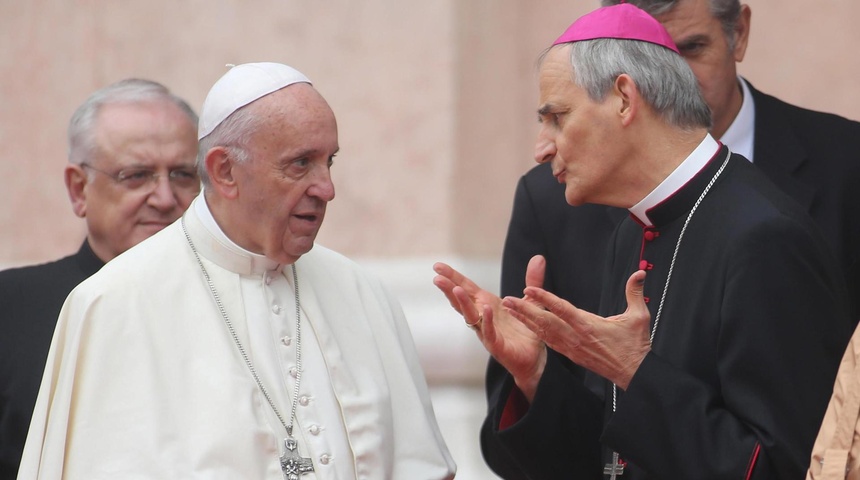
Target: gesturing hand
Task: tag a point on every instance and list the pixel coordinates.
(510, 342)
(612, 347)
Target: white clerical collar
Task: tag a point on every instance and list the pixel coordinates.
(688, 169)
(219, 248)
(740, 136)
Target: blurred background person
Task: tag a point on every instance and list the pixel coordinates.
(131, 172)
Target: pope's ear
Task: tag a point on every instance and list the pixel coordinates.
(219, 162)
(76, 181)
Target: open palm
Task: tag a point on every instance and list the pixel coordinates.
(507, 339)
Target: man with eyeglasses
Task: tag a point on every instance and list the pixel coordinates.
(131, 172)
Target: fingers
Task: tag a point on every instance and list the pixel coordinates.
(447, 279)
(455, 277)
(533, 316)
(447, 287)
(462, 294)
(443, 269)
(560, 307)
(536, 271)
(487, 328)
(467, 307)
(468, 299)
(634, 292)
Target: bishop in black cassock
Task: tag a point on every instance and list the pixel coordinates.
(743, 356)
(753, 324)
(726, 315)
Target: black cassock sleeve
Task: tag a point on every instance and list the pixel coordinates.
(558, 436)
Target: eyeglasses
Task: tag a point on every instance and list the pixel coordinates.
(138, 178)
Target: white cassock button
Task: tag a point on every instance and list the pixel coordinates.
(294, 371)
(276, 309)
(324, 459)
(304, 401)
(268, 279)
(315, 430)
(286, 341)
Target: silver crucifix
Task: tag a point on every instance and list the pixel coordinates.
(615, 468)
(292, 463)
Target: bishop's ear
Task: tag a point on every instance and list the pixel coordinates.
(220, 164)
(76, 180)
(627, 98)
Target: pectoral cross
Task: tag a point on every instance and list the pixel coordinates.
(292, 463)
(615, 468)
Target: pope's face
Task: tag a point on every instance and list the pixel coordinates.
(285, 185)
(704, 45)
(577, 135)
(136, 139)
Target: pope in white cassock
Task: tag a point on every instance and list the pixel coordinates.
(229, 345)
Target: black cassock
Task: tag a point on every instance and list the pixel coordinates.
(744, 356)
(30, 302)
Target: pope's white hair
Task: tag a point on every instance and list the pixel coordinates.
(233, 134)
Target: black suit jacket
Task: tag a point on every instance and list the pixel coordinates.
(812, 156)
(30, 302)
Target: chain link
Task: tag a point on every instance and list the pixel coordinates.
(672, 263)
(243, 353)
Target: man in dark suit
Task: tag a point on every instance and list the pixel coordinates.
(812, 156)
(131, 172)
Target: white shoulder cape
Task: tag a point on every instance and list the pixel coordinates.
(143, 380)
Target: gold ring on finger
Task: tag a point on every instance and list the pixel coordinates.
(474, 326)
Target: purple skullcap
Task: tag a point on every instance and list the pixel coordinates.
(623, 21)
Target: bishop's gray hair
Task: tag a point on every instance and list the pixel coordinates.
(663, 78)
(81, 132)
(726, 11)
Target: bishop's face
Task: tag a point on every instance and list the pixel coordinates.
(285, 185)
(577, 134)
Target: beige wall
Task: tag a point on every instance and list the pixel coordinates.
(435, 100)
